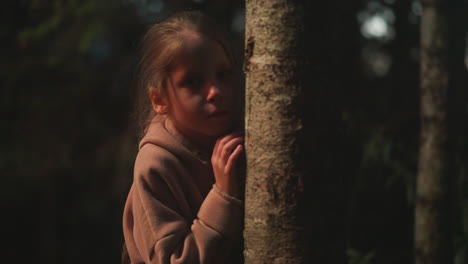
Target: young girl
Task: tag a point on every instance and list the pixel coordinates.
(184, 205)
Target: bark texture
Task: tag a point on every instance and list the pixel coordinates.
(290, 215)
(272, 128)
(432, 213)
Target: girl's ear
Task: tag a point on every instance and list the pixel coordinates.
(159, 103)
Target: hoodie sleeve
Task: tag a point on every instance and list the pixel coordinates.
(162, 235)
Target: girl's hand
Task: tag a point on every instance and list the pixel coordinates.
(225, 155)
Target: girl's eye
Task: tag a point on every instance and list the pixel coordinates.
(193, 82)
(223, 75)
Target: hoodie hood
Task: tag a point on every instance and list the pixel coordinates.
(158, 134)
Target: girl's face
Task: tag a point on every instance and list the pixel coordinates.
(201, 89)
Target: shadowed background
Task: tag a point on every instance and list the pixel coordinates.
(67, 78)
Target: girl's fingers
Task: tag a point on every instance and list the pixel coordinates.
(233, 158)
(228, 137)
(219, 147)
(229, 147)
(216, 149)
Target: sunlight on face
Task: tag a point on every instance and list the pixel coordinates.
(201, 88)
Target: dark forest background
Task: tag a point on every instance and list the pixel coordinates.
(68, 138)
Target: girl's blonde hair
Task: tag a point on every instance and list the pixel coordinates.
(160, 46)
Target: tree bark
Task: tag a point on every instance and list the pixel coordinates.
(432, 212)
(293, 211)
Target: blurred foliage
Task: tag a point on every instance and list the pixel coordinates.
(68, 73)
(67, 77)
(382, 121)
(356, 257)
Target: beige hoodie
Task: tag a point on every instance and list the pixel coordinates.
(172, 214)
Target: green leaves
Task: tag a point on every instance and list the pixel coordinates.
(357, 257)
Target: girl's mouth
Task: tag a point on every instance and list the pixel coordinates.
(218, 113)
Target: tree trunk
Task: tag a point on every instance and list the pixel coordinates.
(294, 205)
(432, 213)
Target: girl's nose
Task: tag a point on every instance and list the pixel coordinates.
(214, 93)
